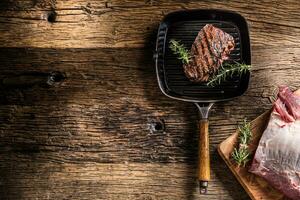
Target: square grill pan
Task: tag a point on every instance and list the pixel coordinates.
(184, 26)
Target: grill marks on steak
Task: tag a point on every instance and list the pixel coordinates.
(211, 47)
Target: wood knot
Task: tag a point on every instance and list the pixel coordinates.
(55, 78)
(157, 125)
(51, 16)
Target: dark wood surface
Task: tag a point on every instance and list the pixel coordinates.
(106, 131)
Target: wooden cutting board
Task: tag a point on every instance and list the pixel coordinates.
(256, 187)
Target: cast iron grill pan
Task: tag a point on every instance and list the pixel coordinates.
(184, 26)
(171, 74)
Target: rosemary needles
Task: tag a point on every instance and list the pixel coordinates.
(228, 70)
(241, 154)
(179, 49)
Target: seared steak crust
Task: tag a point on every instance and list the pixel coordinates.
(211, 47)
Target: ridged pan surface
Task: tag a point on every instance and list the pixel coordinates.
(184, 27)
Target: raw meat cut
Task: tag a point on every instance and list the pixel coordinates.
(211, 47)
(277, 158)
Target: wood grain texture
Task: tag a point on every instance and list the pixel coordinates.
(94, 23)
(89, 180)
(93, 135)
(203, 155)
(78, 121)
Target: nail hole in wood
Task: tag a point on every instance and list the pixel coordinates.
(55, 77)
(157, 125)
(51, 17)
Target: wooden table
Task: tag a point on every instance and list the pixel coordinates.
(106, 131)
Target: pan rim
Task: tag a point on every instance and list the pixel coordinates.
(164, 25)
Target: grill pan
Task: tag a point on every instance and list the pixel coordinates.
(184, 26)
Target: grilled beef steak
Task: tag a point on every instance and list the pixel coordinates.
(277, 158)
(211, 47)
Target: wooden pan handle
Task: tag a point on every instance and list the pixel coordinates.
(203, 156)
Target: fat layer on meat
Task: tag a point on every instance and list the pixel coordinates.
(277, 158)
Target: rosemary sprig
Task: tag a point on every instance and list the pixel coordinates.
(241, 154)
(179, 49)
(228, 70)
(245, 132)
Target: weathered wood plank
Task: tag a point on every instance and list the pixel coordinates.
(29, 178)
(85, 24)
(78, 121)
(82, 117)
(55, 140)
